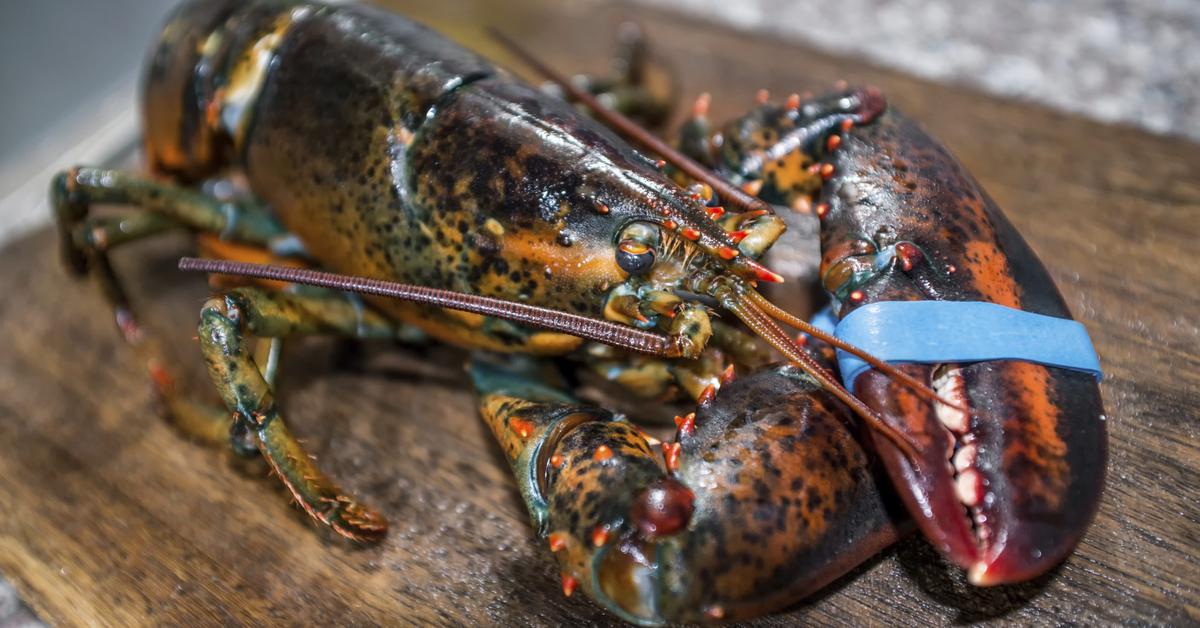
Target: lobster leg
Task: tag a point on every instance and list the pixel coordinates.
(765, 498)
(225, 324)
(86, 239)
(73, 192)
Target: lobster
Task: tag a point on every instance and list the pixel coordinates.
(380, 158)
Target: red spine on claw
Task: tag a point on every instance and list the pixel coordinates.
(569, 584)
(686, 424)
(523, 428)
(728, 375)
(671, 453)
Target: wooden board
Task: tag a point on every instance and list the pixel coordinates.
(109, 517)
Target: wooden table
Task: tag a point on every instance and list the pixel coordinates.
(109, 517)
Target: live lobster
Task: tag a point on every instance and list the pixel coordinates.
(381, 158)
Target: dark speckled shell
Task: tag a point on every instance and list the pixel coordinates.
(393, 153)
(1040, 431)
(792, 499)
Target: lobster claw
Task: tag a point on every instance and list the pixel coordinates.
(786, 498)
(766, 497)
(1006, 488)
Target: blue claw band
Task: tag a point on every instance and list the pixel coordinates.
(933, 332)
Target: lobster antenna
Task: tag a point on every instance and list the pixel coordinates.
(602, 331)
(609, 333)
(729, 193)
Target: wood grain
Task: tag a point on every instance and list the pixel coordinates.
(110, 518)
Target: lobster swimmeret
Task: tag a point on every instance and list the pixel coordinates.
(374, 147)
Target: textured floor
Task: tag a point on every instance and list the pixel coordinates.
(14, 614)
(1128, 61)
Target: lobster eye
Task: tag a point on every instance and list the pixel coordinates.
(634, 257)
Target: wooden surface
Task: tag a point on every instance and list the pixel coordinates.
(109, 517)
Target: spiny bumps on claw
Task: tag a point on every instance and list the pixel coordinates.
(602, 453)
(558, 541)
(908, 254)
(521, 427)
(600, 535)
(707, 395)
(569, 584)
(686, 424)
(728, 375)
(671, 452)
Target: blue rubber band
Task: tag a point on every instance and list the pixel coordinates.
(933, 332)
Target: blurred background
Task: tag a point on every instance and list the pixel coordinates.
(70, 68)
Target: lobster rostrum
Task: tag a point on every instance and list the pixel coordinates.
(380, 158)
(1010, 474)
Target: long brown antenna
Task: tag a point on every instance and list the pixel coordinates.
(730, 194)
(609, 333)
